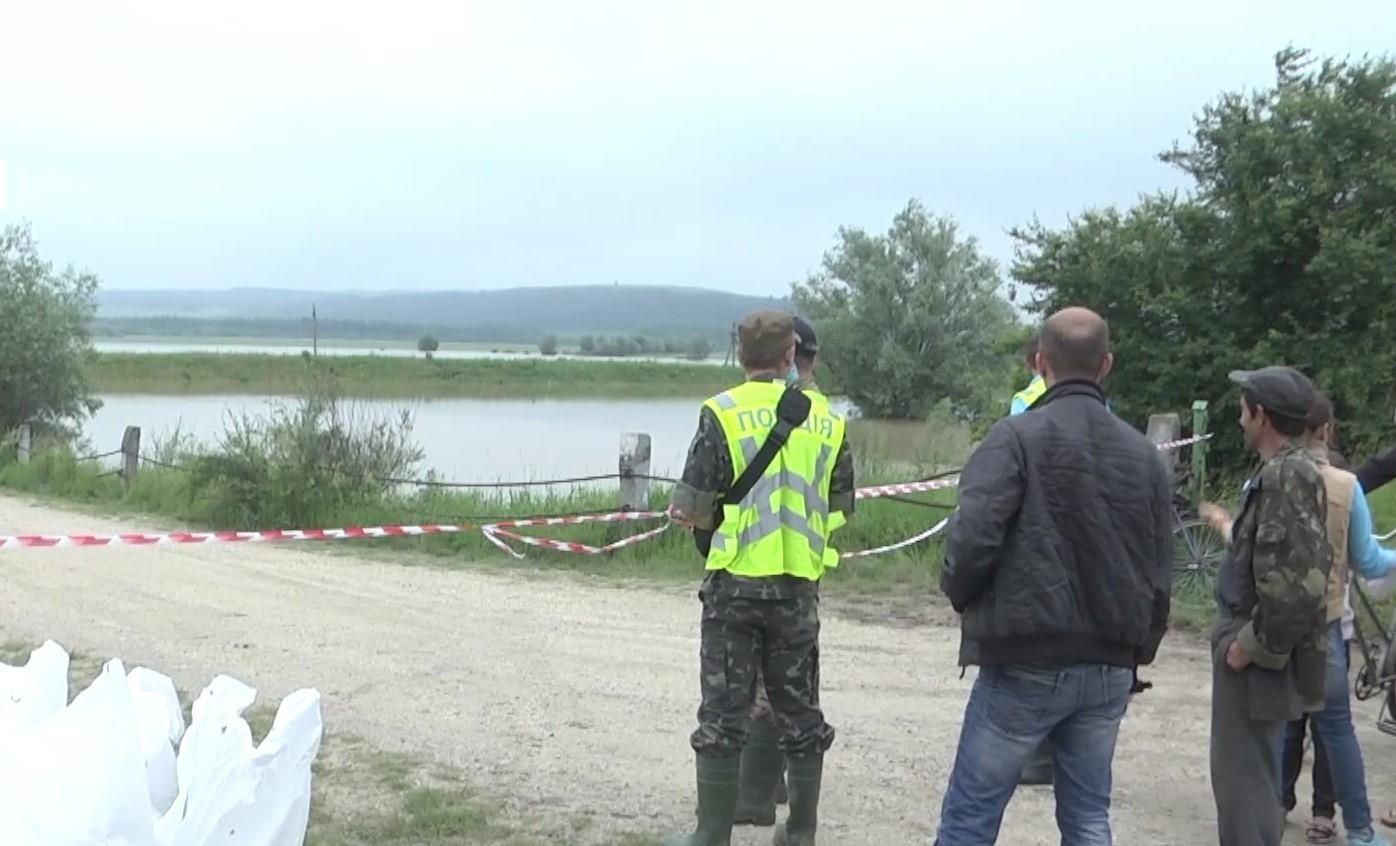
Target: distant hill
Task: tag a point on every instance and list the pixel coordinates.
(526, 313)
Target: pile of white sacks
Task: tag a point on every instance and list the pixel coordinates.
(118, 767)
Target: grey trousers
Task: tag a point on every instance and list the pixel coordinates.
(1245, 763)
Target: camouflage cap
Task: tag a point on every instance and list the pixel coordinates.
(765, 335)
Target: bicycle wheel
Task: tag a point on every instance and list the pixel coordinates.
(1197, 556)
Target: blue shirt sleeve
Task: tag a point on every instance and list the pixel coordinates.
(1365, 555)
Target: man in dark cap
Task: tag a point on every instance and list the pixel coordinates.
(766, 549)
(806, 348)
(1269, 647)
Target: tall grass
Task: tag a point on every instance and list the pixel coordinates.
(323, 462)
(398, 377)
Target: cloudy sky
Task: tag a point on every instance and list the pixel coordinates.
(493, 144)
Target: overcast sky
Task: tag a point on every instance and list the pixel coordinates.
(493, 144)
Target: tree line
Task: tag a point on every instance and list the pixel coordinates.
(1283, 250)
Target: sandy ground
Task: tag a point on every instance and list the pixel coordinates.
(575, 697)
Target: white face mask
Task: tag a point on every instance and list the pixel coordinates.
(792, 376)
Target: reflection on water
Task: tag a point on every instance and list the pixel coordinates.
(521, 439)
(463, 439)
(328, 348)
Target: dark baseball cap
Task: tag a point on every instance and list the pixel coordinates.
(1283, 391)
(806, 342)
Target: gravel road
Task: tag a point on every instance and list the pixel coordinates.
(572, 696)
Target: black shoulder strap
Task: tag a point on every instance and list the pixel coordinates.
(791, 411)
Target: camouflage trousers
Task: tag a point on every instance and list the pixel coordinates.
(752, 644)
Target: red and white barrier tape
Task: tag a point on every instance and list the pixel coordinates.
(270, 536)
(1196, 439)
(915, 539)
(907, 488)
(494, 531)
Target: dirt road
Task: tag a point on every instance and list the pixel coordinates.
(573, 697)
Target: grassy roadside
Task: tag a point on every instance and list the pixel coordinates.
(363, 796)
(397, 377)
(902, 583)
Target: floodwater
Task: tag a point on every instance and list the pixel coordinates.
(329, 348)
(463, 440)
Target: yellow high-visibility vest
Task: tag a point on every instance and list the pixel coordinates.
(1031, 394)
(782, 526)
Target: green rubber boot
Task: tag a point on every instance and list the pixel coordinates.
(717, 801)
(762, 762)
(804, 775)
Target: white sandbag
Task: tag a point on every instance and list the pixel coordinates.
(78, 778)
(35, 691)
(161, 725)
(104, 770)
(232, 794)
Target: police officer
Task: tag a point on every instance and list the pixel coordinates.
(760, 596)
(761, 784)
(1024, 399)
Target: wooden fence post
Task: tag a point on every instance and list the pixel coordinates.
(1199, 451)
(25, 444)
(130, 455)
(634, 471)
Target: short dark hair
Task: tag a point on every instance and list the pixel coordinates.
(1075, 348)
(1290, 427)
(1320, 413)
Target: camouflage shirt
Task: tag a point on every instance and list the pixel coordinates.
(707, 474)
(1273, 586)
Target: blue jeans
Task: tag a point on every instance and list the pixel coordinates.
(1011, 710)
(1333, 728)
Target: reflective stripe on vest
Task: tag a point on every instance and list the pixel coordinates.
(782, 525)
(1032, 393)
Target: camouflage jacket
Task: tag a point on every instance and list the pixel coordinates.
(707, 474)
(1272, 589)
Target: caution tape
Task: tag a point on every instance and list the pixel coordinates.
(907, 488)
(271, 536)
(911, 541)
(495, 532)
(1196, 439)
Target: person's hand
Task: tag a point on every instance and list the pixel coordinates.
(678, 519)
(1236, 657)
(1216, 516)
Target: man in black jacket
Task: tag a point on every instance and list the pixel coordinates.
(1059, 559)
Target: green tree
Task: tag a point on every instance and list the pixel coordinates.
(908, 318)
(428, 344)
(699, 348)
(587, 345)
(45, 343)
(1283, 253)
(548, 346)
